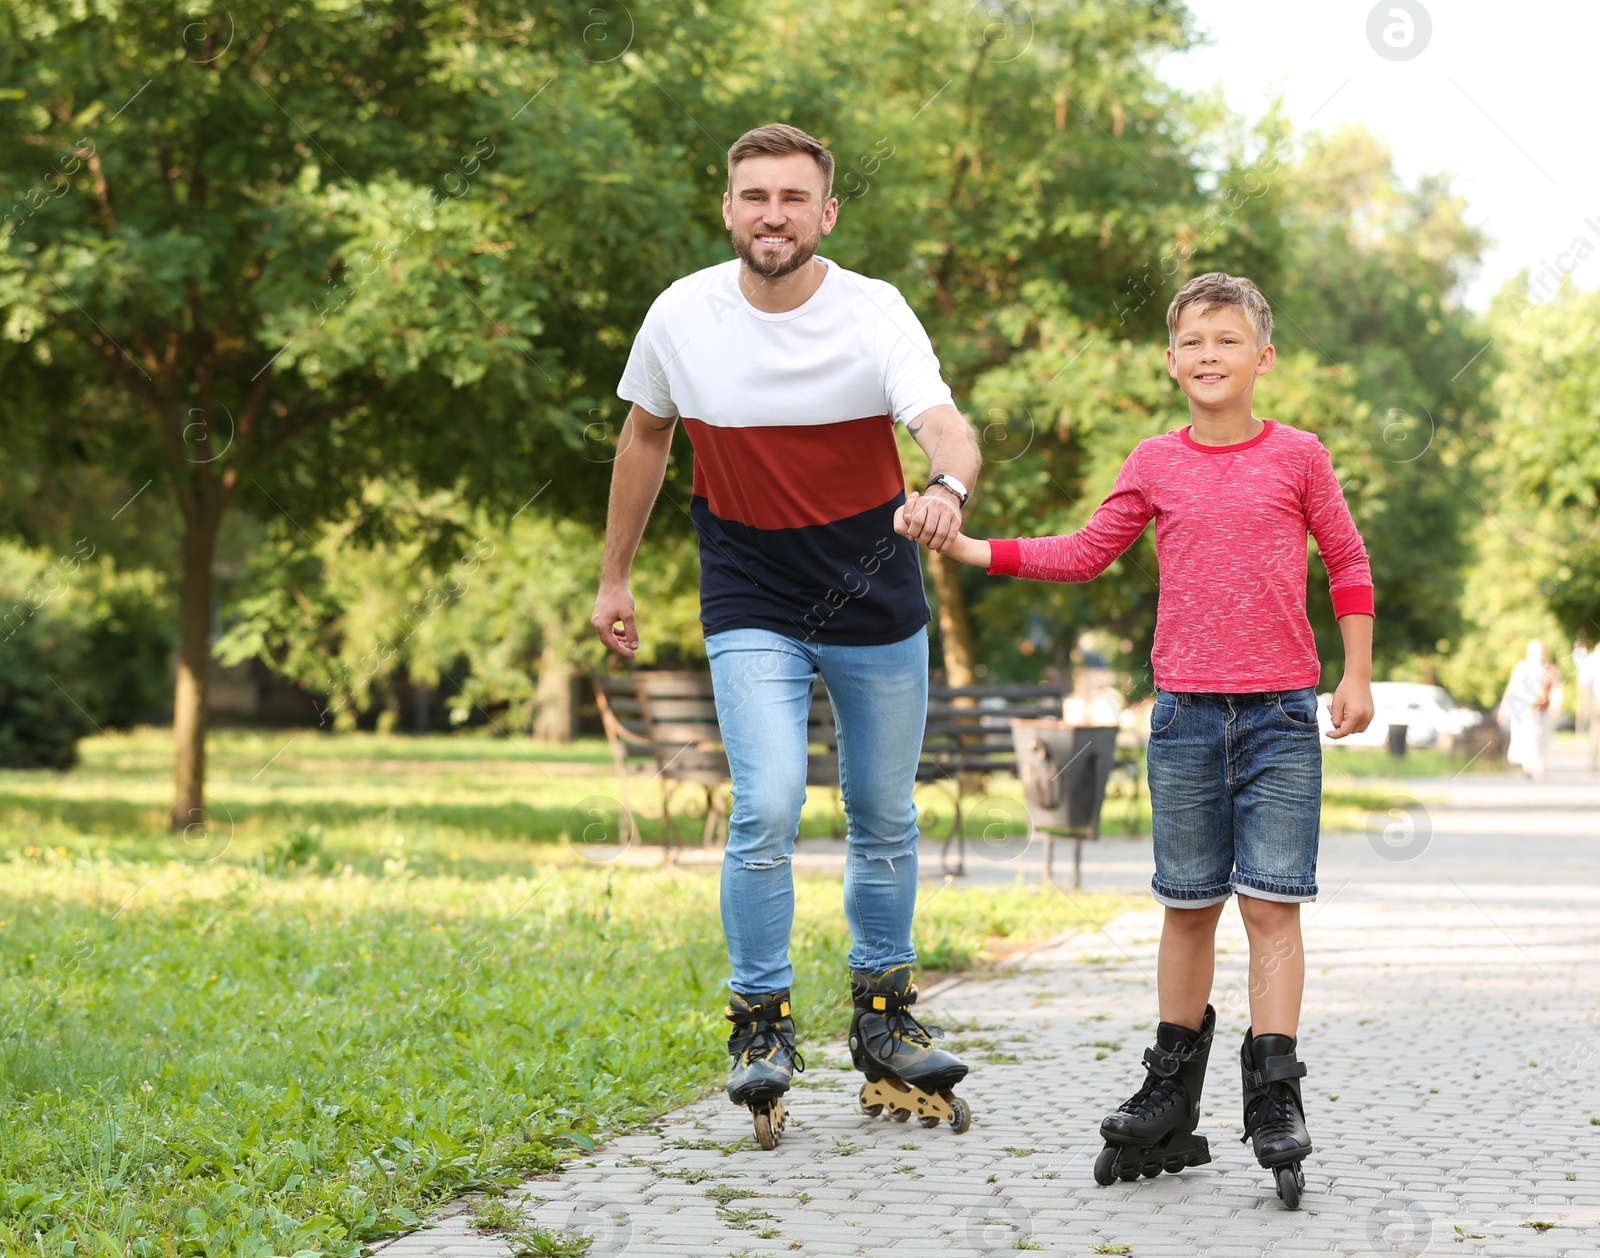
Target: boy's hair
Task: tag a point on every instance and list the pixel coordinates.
(1216, 289)
(777, 139)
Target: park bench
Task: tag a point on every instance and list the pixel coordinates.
(663, 726)
(968, 740)
(617, 698)
(680, 720)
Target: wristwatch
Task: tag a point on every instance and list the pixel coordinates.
(952, 484)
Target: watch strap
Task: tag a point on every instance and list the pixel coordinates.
(953, 485)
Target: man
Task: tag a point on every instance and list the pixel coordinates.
(789, 373)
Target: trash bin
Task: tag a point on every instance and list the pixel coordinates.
(1064, 769)
(1397, 740)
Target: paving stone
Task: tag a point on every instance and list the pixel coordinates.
(1469, 969)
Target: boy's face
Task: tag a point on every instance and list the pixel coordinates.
(1214, 356)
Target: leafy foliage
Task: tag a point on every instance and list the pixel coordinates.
(83, 645)
(443, 594)
(1548, 446)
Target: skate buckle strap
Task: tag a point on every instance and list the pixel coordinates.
(757, 1012)
(1167, 1062)
(1162, 1061)
(1277, 1070)
(893, 1002)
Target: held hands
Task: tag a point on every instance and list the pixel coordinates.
(1352, 709)
(932, 519)
(935, 521)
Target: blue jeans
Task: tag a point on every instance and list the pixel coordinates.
(1235, 796)
(762, 682)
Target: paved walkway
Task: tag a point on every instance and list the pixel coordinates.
(1452, 1035)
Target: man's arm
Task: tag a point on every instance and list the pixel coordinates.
(1352, 708)
(934, 519)
(636, 476)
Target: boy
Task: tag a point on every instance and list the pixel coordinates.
(1235, 762)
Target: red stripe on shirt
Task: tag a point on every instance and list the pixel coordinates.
(789, 477)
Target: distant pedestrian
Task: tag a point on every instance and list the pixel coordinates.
(1583, 665)
(1528, 709)
(1589, 701)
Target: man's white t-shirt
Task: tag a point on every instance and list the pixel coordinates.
(797, 475)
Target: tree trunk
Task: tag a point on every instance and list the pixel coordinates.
(553, 715)
(955, 630)
(191, 699)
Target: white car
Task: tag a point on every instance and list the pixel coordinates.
(1426, 711)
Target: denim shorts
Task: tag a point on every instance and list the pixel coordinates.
(1236, 796)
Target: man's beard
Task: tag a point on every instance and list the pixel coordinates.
(803, 252)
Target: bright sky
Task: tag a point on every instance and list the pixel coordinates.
(1502, 96)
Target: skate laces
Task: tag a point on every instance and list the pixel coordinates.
(1161, 1082)
(1158, 1092)
(905, 1029)
(1272, 1113)
(762, 1040)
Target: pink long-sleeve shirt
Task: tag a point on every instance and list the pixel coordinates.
(1231, 526)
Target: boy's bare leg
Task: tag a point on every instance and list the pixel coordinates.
(1154, 1129)
(1277, 965)
(1186, 964)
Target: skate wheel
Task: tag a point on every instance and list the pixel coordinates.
(1128, 1174)
(928, 1120)
(870, 1108)
(1105, 1167)
(960, 1115)
(901, 1115)
(1290, 1182)
(1173, 1165)
(766, 1131)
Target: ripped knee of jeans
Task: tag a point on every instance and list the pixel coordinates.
(889, 850)
(766, 864)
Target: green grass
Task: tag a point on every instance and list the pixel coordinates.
(1375, 762)
(463, 804)
(391, 981)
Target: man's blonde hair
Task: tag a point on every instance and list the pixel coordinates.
(1215, 290)
(777, 139)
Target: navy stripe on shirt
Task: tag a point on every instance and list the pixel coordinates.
(850, 582)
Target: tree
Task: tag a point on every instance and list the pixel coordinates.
(264, 256)
(1536, 567)
(1548, 444)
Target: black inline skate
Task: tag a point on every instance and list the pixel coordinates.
(764, 1060)
(906, 1075)
(1154, 1129)
(1274, 1114)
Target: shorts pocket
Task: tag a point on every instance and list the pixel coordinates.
(1299, 711)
